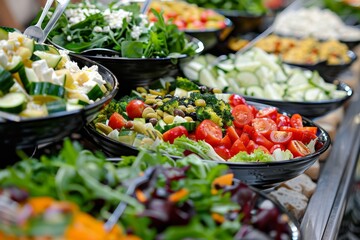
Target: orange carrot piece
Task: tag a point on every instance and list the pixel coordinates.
(218, 218)
(177, 196)
(140, 195)
(224, 180)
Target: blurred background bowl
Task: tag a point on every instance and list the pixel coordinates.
(31, 132)
(327, 71)
(308, 109)
(211, 37)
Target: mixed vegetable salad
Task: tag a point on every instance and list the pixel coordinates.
(180, 199)
(121, 28)
(37, 79)
(259, 74)
(183, 117)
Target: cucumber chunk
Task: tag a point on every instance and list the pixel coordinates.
(246, 79)
(6, 81)
(52, 60)
(95, 93)
(46, 88)
(56, 106)
(15, 65)
(13, 102)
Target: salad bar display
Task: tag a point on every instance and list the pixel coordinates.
(119, 127)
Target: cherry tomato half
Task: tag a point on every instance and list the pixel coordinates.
(172, 134)
(237, 147)
(236, 99)
(264, 126)
(210, 132)
(116, 121)
(298, 149)
(262, 140)
(282, 137)
(135, 108)
(282, 120)
(269, 112)
(296, 121)
(242, 115)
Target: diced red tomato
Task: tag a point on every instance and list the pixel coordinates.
(296, 121)
(251, 146)
(236, 99)
(282, 120)
(298, 149)
(307, 136)
(242, 115)
(282, 137)
(135, 108)
(226, 142)
(262, 140)
(116, 121)
(250, 130)
(269, 112)
(276, 146)
(231, 132)
(264, 126)
(172, 134)
(244, 137)
(209, 132)
(237, 147)
(223, 152)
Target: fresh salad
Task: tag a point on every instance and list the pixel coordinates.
(184, 199)
(121, 28)
(258, 74)
(255, 7)
(188, 16)
(184, 117)
(37, 79)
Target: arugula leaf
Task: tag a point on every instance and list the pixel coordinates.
(132, 49)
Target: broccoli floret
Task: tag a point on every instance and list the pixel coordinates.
(170, 105)
(186, 84)
(216, 110)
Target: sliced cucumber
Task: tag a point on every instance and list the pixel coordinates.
(13, 102)
(78, 102)
(27, 75)
(15, 65)
(190, 126)
(255, 91)
(227, 65)
(52, 60)
(6, 81)
(337, 94)
(207, 79)
(56, 106)
(46, 89)
(297, 78)
(246, 79)
(127, 136)
(312, 94)
(248, 66)
(95, 93)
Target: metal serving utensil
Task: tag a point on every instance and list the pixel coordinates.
(133, 184)
(36, 32)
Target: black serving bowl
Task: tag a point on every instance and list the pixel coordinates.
(328, 72)
(244, 22)
(308, 109)
(261, 175)
(211, 37)
(135, 72)
(31, 132)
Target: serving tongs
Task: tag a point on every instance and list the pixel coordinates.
(133, 184)
(36, 32)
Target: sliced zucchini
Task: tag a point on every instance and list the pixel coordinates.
(56, 106)
(52, 60)
(13, 102)
(6, 81)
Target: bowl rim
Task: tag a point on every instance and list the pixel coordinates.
(62, 114)
(349, 92)
(239, 13)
